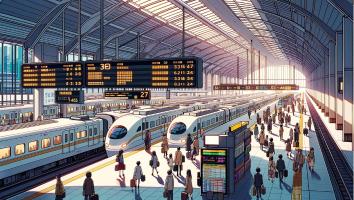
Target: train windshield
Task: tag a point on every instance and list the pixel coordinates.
(118, 132)
(178, 128)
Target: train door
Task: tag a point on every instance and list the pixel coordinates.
(90, 137)
(66, 141)
(72, 140)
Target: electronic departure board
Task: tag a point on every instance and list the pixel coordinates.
(256, 87)
(137, 95)
(52, 75)
(154, 73)
(69, 97)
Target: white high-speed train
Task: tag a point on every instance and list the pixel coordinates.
(193, 122)
(128, 131)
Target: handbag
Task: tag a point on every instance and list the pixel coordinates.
(94, 197)
(132, 182)
(150, 163)
(286, 173)
(165, 194)
(175, 168)
(267, 154)
(183, 159)
(254, 191)
(158, 164)
(121, 166)
(116, 167)
(143, 178)
(263, 190)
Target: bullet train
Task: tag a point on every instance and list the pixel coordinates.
(193, 122)
(128, 131)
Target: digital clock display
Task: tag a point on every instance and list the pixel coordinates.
(69, 97)
(123, 95)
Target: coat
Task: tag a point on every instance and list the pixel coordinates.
(188, 185)
(271, 147)
(169, 182)
(261, 138)
(271, 169)
(281, 132)
(155, 160)
(280, 165)
(137, 172)
(291, 134)
(178, 158)
(189, 143)
(196, 146)
(288, 146)
(256, 131)
(59, 188)
(88, 187)
(258, 180)
(165, 143)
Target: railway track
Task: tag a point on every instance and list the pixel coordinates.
(340, 171)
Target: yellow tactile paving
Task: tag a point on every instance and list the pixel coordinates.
(297, 179)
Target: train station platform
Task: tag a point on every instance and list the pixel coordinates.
(309, 185)
(346, 147)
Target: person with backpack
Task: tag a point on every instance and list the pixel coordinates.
(280, 166)
(154, 163)
(138, 173)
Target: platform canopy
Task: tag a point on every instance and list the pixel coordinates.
(220, 31)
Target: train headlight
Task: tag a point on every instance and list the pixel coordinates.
(122, 146)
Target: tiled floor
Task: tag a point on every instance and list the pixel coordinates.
(108, 185)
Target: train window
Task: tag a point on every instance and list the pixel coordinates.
(45, 143)
(90, 132)
(57, 140)
(198, 125)
(33, 146)
(152, 124)
(95, 131)
(169, 118)
(217, 119)
(81, 134)
(139, 129)
(146, 125)
(178, 128)
(118, 132)
(208, 122)
(19, 149)
(5, 152)
(71, 136)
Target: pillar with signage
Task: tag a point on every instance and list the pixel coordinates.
(224, 160)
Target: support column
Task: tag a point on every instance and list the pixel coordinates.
(347, 79)
(339, 78)
(332, 83)
(326, 85)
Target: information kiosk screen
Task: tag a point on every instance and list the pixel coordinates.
(214, 170)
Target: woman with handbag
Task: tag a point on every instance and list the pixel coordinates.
(121, 165)
(59, 189)
(188, 186)
(154, 163)
(138, 173)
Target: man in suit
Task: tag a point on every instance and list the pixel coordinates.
(258, 182)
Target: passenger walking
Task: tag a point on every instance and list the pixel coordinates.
(293, 108)
(266, 142)
(298, 161)
(59, 189)
(271, 169)
(309, 123)
(269, 127)
(169, 185)
(120, 161)
(249, 113)
(288, 147)
(271, 148)
(261, 139)
(188, 186)
(311, 158)
(291, 135)
(189, 143)
(296, 136)
(280, 167)
(170, 161)
(147, 140)
(258, 182)
(273, 117)
(178, 161)
(288, 109)
(258, 119)
(256, 132)
(164, 148)
(262, 127)
(195, 148)
(138, 173)
(281, 132)
(154, 163)
(88, 187)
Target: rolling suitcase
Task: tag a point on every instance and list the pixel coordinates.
(132, 183)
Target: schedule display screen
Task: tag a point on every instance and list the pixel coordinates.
(256, 87)
(214, 170)
(52, 75)
(166, 73)
(138, 95)
(69, 97)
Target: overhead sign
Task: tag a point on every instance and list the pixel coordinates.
(154, 73)
(69, 97)
(52, 75)
(256, 87)
(138, 95)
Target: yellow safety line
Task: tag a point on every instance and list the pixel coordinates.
(76, 177)
(297, 179)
